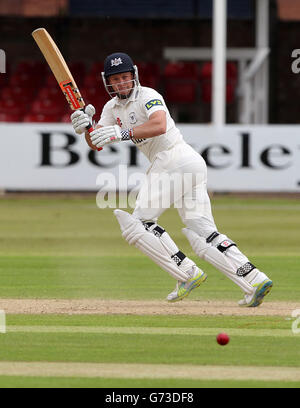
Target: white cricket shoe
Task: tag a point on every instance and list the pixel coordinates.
(183, 289)
(262, 289)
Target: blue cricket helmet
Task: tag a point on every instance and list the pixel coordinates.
(117, 63)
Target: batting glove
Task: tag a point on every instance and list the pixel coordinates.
(110, 134)
(81, 119)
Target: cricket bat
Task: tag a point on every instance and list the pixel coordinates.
(60, 70)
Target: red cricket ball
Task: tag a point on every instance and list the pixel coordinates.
(223, 339)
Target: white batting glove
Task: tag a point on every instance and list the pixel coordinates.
(109, 134)
(80, 120)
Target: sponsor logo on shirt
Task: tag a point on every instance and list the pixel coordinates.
(154, 102)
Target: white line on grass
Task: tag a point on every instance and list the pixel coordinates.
(201, 331)
(160, 371)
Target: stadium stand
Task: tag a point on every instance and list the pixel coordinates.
(149, 74)
(206, 82)
(182, 83)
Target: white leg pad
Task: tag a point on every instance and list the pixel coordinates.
(233, 253)
(211, 254)
(161, 249)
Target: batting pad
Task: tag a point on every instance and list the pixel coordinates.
(161, 249)
(211, 254)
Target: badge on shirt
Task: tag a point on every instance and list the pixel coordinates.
(154, 102)
(132, 118)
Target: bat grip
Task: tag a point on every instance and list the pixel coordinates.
(90, 128)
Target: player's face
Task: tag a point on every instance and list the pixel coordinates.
(122, 83)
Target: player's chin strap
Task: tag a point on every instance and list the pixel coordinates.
(155, 242)
(223, 254)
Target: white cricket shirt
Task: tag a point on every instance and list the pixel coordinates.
(137, 110)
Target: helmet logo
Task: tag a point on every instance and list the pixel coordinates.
(115, 62)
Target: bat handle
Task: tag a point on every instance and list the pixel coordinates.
(90, 128)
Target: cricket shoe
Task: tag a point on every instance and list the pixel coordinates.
(262, 289)
(183, 289)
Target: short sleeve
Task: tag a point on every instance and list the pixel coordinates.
(153, 102)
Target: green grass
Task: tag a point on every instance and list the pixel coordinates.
(242, 350)
(156, 348)
(121, 383)
(76, 227)
(67, 248)
(124, 277)
(153, 321)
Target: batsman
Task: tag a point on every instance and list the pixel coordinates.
(140, 115)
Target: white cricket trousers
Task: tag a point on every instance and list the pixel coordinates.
(178, 177)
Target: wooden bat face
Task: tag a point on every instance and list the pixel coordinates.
(59, 68)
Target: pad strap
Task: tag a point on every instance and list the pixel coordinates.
(212, 237)
(226, 244)
(178, 257)
(245, 269)
(157, 230)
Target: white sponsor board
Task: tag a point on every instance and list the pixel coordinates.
(239, 158)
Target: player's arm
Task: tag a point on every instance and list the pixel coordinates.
(156, 125)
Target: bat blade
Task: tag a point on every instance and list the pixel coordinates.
(59, 68)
